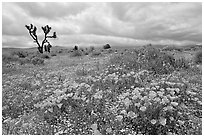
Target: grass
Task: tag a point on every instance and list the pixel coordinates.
(130, 93)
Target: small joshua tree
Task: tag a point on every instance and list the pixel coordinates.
(46, 29)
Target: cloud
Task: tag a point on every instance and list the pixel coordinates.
(116, 23)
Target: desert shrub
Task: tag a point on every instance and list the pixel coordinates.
(53, 54)
(107, 46)
(148, 58)
(37, 61)
(7, 58)
(91, 48)
(44, 56)
(171, 48)
(81, 72)
(20, 54)
(181, 63)
(198, 57)
(95, 53)
(23, 61)
(76, 47)
(76, 53)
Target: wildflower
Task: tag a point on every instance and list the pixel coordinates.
(119, 117)
(137, 104)
(161, 89)
(157, 87)
(160, 93)
(128, 75)
(132, 87)
(109, 130)
(127, 102)
(172, 93)
(169, 108)
(171, 118)
(177, 90)
(123, 112)
(143, 108)
(152, 94)
(162, 121)
(131, 114)
(153, 88)
(134, 97)
(174, 104)
(157, 99)
(132, 72)
(181, 122)
(136, 92)
(59, 105)
(165, 100)
(153, 121)
(94, 126)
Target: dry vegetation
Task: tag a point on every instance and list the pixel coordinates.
(92, 91)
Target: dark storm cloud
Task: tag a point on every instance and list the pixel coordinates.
(119, 23)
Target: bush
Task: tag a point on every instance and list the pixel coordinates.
(53, 54)
(181, 63)
(95, 53)
(23, 61)
(44, 56)
(198, 57)
(107, 46)
(76, 53)
(91, 48)
(148, 58)
(7, 58)
(20, 54)
(37, 61)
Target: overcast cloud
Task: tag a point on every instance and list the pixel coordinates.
(87, 24)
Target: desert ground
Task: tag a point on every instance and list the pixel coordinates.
(147, 90)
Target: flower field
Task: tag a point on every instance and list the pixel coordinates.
(113, 95)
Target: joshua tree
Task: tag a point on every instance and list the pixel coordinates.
(46, 29)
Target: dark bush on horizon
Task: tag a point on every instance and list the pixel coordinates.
(107, 46)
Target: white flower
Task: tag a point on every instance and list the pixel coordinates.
(171, 118)
(152, 94)
(162, 121)
(143, 108)
(131, 114)
(109, 130)
(181, 122)
(161, 89)
(123, 112)
(137, 104)
(165, 100)
(127, 102)
(157, 99)
(160, 93)
(153, 88)
(174, 104)
(153, 121)
(119, 117)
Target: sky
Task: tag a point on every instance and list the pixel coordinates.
(95, 24)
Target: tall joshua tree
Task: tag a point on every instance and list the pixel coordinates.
(46, 29)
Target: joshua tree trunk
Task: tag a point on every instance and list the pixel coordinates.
(46, 29)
